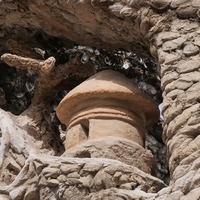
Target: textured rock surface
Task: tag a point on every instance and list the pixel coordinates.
(114, 148)
(180, 72)
(46, 177)
(168, 30)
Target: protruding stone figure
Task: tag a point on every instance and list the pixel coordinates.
(106, 116)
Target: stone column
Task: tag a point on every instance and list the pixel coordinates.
(178, 56)
(106, 116)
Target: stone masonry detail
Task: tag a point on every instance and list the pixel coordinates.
(108, 100)
(31, 159)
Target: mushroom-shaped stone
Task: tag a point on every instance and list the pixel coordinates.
(107, 107)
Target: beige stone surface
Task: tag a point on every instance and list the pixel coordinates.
(75, 135)
(116, 128)
(116, 149)
(111, 89)
(106, 117)
(139, 26)
(75, 178)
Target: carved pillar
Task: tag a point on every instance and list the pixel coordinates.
(178, 56)
(106, 116)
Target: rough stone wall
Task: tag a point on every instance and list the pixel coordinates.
(166, 29)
